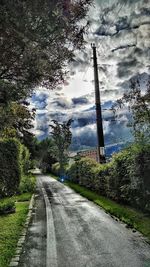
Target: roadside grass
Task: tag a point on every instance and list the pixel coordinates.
(133, 218)
(23, 197)
(11, 226)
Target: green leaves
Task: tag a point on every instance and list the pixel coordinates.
(35, 41)
(125, 179)
(62, 136)
(138, 104)
(13, 164)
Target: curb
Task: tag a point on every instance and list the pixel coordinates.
(15, 260)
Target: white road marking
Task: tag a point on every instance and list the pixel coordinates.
(51, 258)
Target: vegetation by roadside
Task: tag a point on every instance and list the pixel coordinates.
(27, 183)
(131, 217)
(7, 205)
(11, 226)
(13, 212)
(23, 197)
(125, 179)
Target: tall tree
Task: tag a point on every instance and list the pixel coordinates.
(62, 136)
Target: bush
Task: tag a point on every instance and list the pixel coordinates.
(13, 164)
(27, 184)
(125, 179)
(131, 169)
(7, 206)
(24, 159)
(10, 168)
(84, 172)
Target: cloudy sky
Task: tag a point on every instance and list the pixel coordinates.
(121, 32)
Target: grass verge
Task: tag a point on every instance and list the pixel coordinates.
(10, 229)
(23, 197)
(131, 217)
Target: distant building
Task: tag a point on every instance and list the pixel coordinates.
(89, 153)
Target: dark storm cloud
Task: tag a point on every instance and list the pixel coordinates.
(108, 93)
(126, 68)
(104, 31)
(81, 122)
(88, 116)
(87, 136)
(122, 24)
(57, 115)
(107, 104)
(80, 100)
(83, 118)
(104, 69)
(129, 1)
(119, 132)
(109, 27)
(145, 11)
(123, 47)
(143, 79)
(61, 102)
(85, 139)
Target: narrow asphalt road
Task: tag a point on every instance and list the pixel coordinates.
(74, 232)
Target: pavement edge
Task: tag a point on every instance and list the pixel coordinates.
(15, 260)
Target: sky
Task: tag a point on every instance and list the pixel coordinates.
(121, 31)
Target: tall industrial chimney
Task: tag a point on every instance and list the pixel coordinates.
(100, 135)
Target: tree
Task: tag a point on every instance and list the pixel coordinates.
(61, 135)
(15, 120)
(37, 38)
(138, 105)
(46, 155)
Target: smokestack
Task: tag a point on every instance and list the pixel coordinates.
(100, 135)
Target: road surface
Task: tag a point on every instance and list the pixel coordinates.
(73, 232)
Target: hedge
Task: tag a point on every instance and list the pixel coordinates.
(125, 179)
(14, 162)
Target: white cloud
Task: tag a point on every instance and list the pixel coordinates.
(122, 27)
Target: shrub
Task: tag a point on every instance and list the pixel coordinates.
(131, 169)
(14, 162)
(73, 172)
(10, 168)
(27, 184)
(84, 172)
(24, 159)
(7, 206)
(102, 179)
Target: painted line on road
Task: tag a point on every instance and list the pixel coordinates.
(51, 258)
